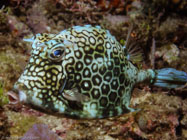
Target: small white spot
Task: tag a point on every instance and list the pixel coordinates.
(67, 50)
(109, 63)
(100, 60)
(115, 50)
(121, 56)
(112, 40)
(32, 83)
(101, 41)
(93, 106)
(54, 78)
(114, 83)
(34, 73)
(38, 69)
(79, 65)
(108, 46)
(38, 84)
(92, 40)
(96, 92)
(85, 32)
(88, 60)
(41, 73)
(34, 89)
(70, 60)
(37, 61)
(40, 95)
(81, 44)
(108, 77)
(32, 68)
(42, 63)
(77, 53)
(95, 67)
(31, 60)
(86, 84)
(86, 72)
(44, 90)
(36, 52)
(82, 39)
(25, 72)
(97, 80)
(78, 77)
(46, 67)
(48, 75)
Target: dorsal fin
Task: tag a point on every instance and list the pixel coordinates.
(134, 52)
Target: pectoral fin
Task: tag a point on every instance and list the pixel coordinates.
(74, 95)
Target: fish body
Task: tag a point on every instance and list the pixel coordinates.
(82, 72)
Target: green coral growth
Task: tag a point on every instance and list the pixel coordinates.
(3, 99)
(21, 123)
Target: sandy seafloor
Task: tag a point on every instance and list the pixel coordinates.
(163, 114)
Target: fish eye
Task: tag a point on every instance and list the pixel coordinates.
(56, 54)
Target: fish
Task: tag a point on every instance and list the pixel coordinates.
(83, 72)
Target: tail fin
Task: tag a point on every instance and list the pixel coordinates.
(170, 78)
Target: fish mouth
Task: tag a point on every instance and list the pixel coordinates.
(13, 97)
(18, 94)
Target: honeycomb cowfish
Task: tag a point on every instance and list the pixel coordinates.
(85, 73)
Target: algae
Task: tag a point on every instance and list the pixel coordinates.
(162, 115)
(20, 123)
(3, 98)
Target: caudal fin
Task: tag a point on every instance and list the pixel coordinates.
(170, 78)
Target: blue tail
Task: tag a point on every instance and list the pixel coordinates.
(170, 78)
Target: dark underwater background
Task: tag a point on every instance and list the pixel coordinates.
(159, 30)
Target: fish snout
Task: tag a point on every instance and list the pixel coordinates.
(19, 91)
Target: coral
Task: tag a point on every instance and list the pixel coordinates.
(169, 52)
(64, 14)
(20, 123)
(59, 125)
(4, 126)
(36, 19)
(41, 132)
(170, 6)
(17, 28)
(3, 22)
(162, 116)
(23, 118)
(3, 98)
(9, 64)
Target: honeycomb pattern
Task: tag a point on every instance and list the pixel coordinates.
(100, 71)
(94, 63)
